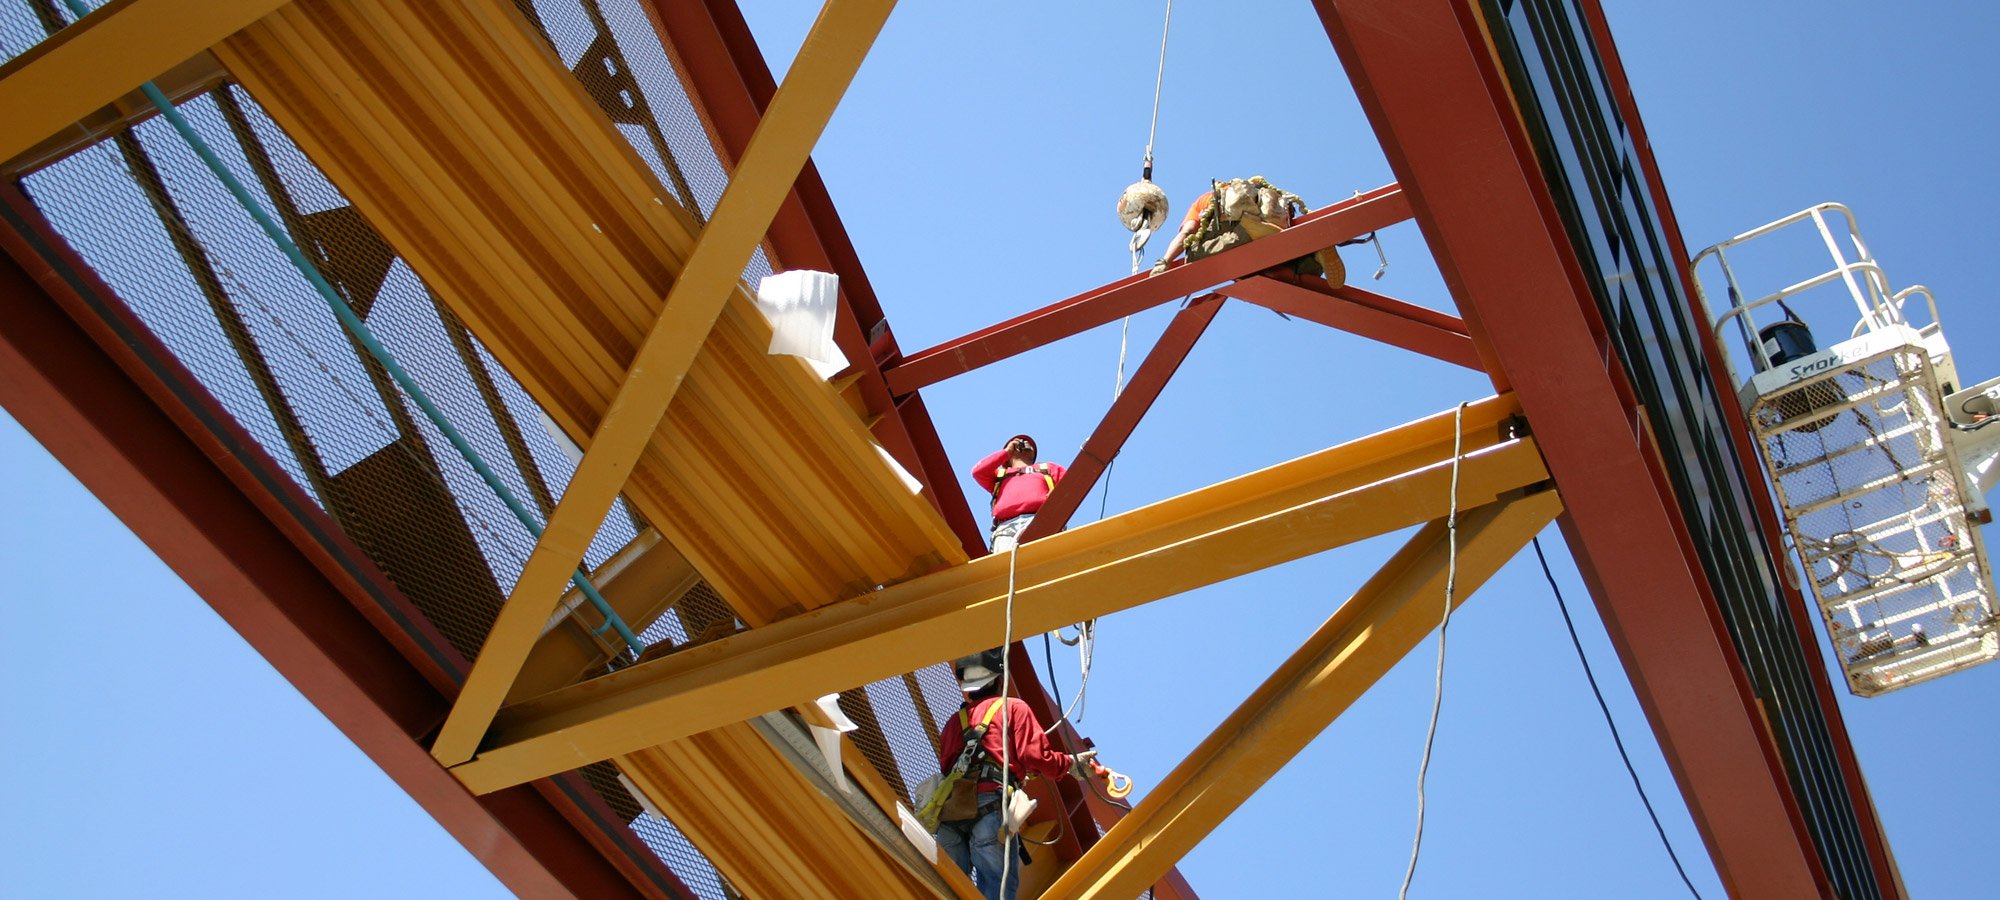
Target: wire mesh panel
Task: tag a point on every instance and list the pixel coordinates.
(1870, 489)
(22, 26)
(149, 218)
(688, 864)
(616, 54)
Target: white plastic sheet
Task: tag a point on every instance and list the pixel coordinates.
(801, 305)
(913, 830)
(829, 739)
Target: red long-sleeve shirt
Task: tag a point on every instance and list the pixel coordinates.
(1030, 752)
(1021, 494)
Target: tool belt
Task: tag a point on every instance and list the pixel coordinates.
(956, 798)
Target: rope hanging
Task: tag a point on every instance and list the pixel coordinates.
(1142, 208)
(1450, 589)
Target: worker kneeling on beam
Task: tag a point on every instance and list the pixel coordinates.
(1241, 210)
(974, 819)
(1019, 486)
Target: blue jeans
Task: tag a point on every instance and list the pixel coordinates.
(975, 846)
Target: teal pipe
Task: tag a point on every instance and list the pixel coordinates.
(367, 338)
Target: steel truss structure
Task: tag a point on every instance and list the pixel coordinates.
(608, 290)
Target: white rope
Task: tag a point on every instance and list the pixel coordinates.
(1006, 734)
(1450, 585)
(1159, 79)
(1085, 643)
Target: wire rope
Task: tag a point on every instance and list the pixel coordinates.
(1159, 79)
(1609, 722)
(1006, 733)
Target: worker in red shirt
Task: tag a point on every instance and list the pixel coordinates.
(977, 844)
(1019, 486)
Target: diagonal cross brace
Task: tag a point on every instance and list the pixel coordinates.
(1356, 646)
(1160, 365)
(825, 65)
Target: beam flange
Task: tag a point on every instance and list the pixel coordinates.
(1284, 513)
(104, 56)
(1362, 640)
(825, 65)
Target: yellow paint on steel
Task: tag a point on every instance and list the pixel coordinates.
(1363, 639)
(480, 159)
(825, 64)
(104, 56)
(640, 581)
(1289, 511)
(767, 829)
(461, 138)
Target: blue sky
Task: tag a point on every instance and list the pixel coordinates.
(975, 163)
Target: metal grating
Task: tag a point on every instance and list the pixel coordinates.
(1865, 474)
(192, 265)
(694, 870)
(613, 49)
(695, 873)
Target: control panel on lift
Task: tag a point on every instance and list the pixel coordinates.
(1879, 455)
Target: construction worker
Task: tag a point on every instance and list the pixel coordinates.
(975, 840)
(1019, 486)
(1240, 210)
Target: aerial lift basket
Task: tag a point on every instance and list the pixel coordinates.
(1878, 459)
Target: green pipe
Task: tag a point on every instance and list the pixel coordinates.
(367, 338)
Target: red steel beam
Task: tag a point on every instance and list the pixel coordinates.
(1318, 230)
(103, 395)
(1804, 629)
(1110, 435)
(1370, 315)
(1431, 87)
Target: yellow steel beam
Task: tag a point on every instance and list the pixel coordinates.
(1341, 661)
(773, 830)
(641, 581)
(1289, 511)
(106, 54)
(825, 64)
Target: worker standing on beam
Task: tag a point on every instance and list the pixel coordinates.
(971, 827)
(1019, 486)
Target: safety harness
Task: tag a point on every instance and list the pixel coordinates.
(1241, 210)
(956, 797)
(1001, 474)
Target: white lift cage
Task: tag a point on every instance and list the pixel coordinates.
(1879, 457)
